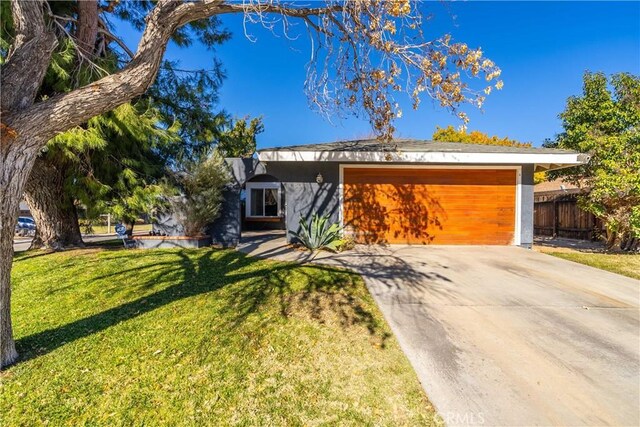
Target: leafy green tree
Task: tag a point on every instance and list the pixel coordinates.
(190, 98)
(126, 175)
(49, 190)
(605, 122)
(239, 139)
(451, 134)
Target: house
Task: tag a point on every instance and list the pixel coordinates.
(405, 191)
(549, 190)
(24, 209)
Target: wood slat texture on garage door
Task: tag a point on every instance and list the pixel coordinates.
(430, 206)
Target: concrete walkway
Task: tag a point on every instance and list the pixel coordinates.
(503, 335)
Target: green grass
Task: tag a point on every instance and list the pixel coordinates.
(200, 337)
(625, 264)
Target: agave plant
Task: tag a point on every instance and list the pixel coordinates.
(320, 233)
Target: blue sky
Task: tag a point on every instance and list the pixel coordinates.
(543, 49)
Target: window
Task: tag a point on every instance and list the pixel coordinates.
(263, 199)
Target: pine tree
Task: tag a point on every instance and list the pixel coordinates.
(114, 163)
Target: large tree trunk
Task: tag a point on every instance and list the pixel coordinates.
(27, 126)
(8, 221)
(52, 208)
(130, 226)
(15, 164)
(21, 77)
(612, 238)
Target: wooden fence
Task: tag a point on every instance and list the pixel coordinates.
(560, 216)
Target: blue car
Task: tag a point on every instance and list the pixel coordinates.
(26, 226)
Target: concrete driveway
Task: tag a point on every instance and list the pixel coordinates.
(504, 335)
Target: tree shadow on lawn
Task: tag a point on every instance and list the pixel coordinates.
(30, 254)
(104, 245)
(324, 292)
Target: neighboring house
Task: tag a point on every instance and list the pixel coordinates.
(406, 191)
(557, 214)
(548, 190)
(24, 209)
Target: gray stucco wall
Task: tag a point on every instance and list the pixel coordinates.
(167, 224)
(303, 195)
(225, 231)
(526, 206)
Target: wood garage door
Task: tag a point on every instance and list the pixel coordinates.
(430, 206)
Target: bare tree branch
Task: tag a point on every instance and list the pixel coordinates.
(103, 29)
(63, 111)
(349, 76)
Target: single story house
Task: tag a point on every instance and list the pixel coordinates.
(549, 190)
(24, 209)
(404, 191)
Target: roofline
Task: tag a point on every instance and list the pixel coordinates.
(543, 161)
(568, 191)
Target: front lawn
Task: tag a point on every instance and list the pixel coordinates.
(200, 337)
(625, 264)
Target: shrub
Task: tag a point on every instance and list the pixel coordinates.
(201, 185)
(346, 244)
(320, 234)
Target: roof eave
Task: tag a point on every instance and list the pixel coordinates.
(542, 161)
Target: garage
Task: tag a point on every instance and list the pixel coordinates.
(430, 205)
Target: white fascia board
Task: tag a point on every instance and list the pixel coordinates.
(559, 160)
